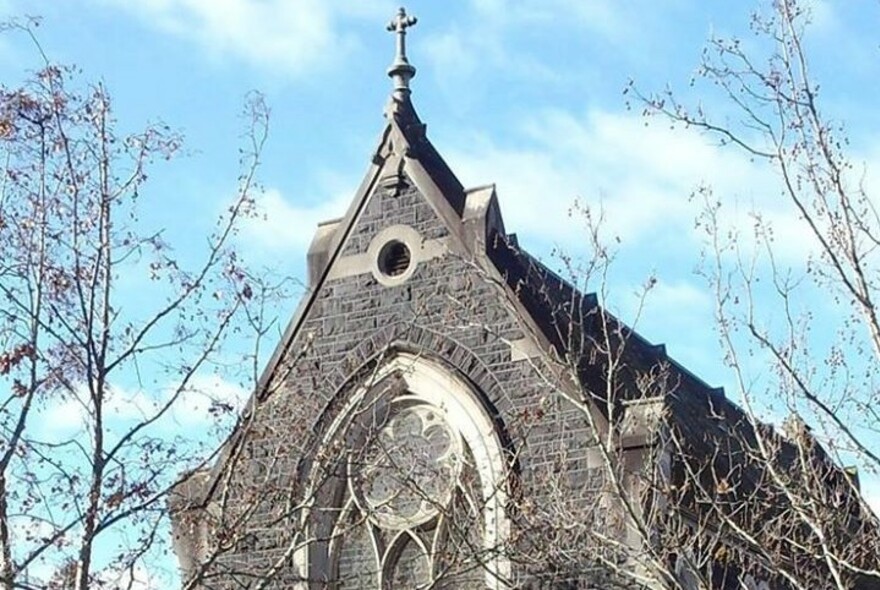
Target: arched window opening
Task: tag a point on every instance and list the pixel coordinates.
(424, 497)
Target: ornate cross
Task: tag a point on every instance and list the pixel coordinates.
(401, 71)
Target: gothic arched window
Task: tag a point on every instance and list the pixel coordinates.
(424, 491)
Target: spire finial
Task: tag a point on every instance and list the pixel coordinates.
(401, 71)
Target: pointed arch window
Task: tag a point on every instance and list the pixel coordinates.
(412, 504)
(424, 497)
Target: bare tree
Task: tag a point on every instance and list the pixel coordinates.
(781, 123)
(812, 318)
(105, 325)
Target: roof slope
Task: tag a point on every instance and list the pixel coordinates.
(731, 472)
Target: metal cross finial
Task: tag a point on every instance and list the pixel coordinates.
(401, 71)
(401, 22)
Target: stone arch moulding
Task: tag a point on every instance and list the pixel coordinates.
(459, 403)
(406, 337)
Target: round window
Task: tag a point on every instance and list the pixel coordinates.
(394, 258)
(408, 472)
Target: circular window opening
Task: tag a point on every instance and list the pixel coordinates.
(394, 258)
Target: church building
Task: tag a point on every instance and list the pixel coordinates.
(444, 411)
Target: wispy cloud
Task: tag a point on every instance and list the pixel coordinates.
(72, 413)
(603, 17)
(195, 405)
(290, 36)
(641, 176)
(679, 295)
(498, 39)
(206, 393)
(284, 226)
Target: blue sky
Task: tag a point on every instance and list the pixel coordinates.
(526, 94)
(523, 93)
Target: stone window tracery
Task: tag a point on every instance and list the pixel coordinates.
(407, 492)
(408, 472)
(421, 487)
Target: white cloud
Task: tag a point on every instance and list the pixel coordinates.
(284, 226)
(448, 57)
(495, 31)
(603, 17)
(679, 295)
(63, 417)
(72, 415)
(291, 35)
(203, 395)
(641, 176)
(473, 51)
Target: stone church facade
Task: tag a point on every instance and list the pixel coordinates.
(433, 415)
